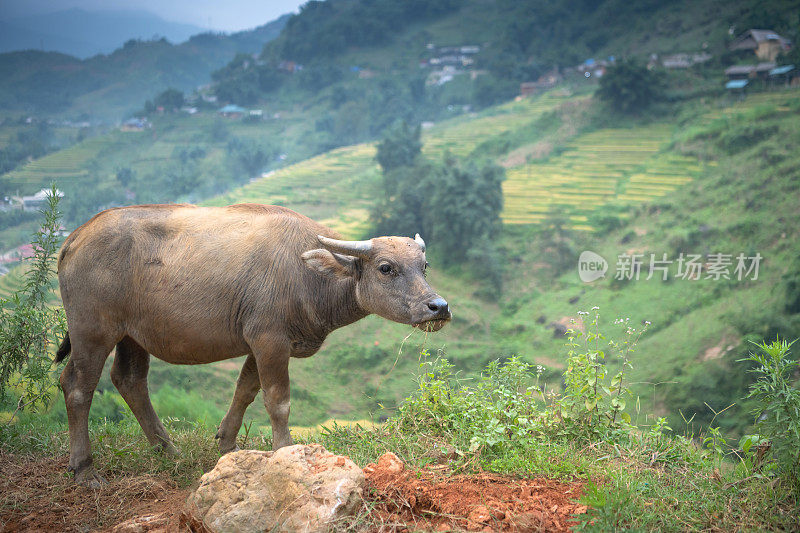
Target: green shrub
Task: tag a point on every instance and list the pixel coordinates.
(509, 408)
(28, 326)
(778, 407)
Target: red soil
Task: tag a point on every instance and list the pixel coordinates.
(406, 498)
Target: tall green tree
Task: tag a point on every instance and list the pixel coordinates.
(401, 147)
(454, 204)
(630, 88)
(462, 209)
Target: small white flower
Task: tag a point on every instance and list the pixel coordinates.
(595, 308)
(646, 322)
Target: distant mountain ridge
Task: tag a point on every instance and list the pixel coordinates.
(82, 33)
(107, 87)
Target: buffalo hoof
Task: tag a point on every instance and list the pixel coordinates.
(168, 449)
(229, 449)
(89, 478)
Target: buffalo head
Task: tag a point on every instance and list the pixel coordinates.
(389, 276)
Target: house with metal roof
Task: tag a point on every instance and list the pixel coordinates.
(232, 111)
(766, 44)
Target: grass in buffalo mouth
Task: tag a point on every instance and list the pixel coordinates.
(432, 325)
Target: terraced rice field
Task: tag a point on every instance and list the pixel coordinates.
(613, 167)
(774, 99)
(605, 167)
(15, 280)
(460, 139)
(339, 187)
(68, 164)
(12, 281)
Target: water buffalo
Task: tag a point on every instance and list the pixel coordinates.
(194, 285)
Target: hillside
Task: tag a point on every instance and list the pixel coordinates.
(110, 87)
(663, 181)
(577, 177)
(621, 191)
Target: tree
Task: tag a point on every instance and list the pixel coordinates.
(401, 147)
(557, 242)
(125, 176)
(250, 156)
(454, 204)
(463, 207)
(629, 87)
(170, 100)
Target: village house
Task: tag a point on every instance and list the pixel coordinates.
(744, 72)
(231, 111)
(17, 254)
(548, 80)
(766, 44)
(38, 201)
(135, 124)
(684, 60)
(591, 67)
(290, 66)
(785, 75)
(451, 56)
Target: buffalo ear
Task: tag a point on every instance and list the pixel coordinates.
(332, 264)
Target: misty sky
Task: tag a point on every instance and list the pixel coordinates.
(229, 15)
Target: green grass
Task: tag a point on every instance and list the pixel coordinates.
(462, 135)
(337, 188)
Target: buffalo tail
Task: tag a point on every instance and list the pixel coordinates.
(63, 349)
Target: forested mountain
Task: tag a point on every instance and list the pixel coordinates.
(84, 33)
(108, 87)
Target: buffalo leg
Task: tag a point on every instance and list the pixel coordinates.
(129, 375)
(246, 389)
(273, 372)
(78, 381)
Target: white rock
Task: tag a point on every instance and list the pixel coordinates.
(295, 489)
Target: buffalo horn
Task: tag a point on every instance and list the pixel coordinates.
(419, 241)
(356, 248)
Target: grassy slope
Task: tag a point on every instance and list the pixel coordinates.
(594, 170)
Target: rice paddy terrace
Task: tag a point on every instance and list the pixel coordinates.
(597, 169)
(62, 166)
(339, 187)
(605, 167)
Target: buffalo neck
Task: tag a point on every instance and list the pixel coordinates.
(341, 306)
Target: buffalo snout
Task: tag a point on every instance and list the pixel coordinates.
(438, 306)
(435, 313)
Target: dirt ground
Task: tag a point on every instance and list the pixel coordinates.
(430, 500)
(36, 494)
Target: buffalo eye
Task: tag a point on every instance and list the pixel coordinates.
(385, 268)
